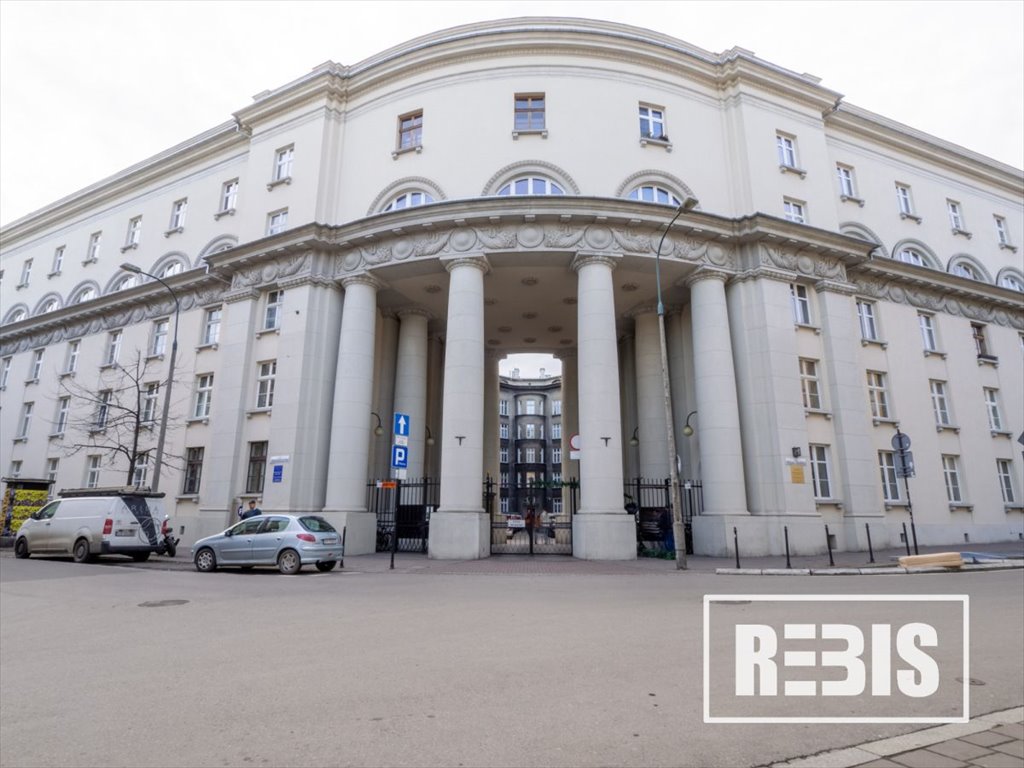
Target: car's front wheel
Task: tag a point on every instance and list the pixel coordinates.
(325, 567)
(81, 551)
(21, 548)
(140, 557)
(205, 560)
(289, 562)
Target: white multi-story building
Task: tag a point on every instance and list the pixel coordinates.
(372, 239)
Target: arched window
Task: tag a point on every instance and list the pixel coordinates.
(963, 269)
(408, 200)
(910, 256)
(174, 268)
(650, 193)
(128, 281)
(1012, 282)
(17, 315)
(87, 294)
(531, 185)
(49, 306)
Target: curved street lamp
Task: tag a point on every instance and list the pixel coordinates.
(159, 463)
(678, 532)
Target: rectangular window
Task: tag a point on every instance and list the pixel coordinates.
(503, 428)
(904, 201)
(846, 185)
(504, 479)
(5, 372)
(951, 475)
(504, 505)
(940, 404)
(531, 407)
(956, 219)
(58, 261)
(529, 112)
(410, 130)
(257, 467)
(159, 344)
(113, 347)
(978, 332)
(277, 221)
(92, 472)
(63, 408)
(531, 455)
(556, 476)
(102, 409)
(93, 252)
(809, 384)
(228, 195)
(890, 482)
(37, 365)
(51, 470)
(1002, 233)
(134, 233)
(504, 456)
(652, 122)
(265, 384)
(193, 470)
(556, 431)
(556, 455)
(141, 470)
(211, 326)
(15, 468)
(1004, 470)
(530, 431)
(866, 316)
(149, 403)
(927, 325)
(820, 472)
(72, 362)
(272, 313)
(178, 214)
(794, 211)
(556, 506)
(556, 407)
(204, 396)
(786, 146)
(801, 304)
(503, 408)
(995, 419)
(878, 395)
(26, 272)
(283, 163)
(26, 419)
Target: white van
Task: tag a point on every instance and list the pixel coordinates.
(90, 522)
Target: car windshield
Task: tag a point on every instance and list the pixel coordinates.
(316, 524)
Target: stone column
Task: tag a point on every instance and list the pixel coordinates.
(627, 362)
(601, 529)
(411, 384)
(459, 528)
(570, 422)
(435, 388)
(385, 358)
(492, 442)
(352, 424)
(650, 399)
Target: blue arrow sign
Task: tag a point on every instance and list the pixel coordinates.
(401, 424)
(399, 457)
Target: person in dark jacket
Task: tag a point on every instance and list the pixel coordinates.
(252, 511)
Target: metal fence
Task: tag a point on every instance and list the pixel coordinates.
(650, 501)
(403, 509)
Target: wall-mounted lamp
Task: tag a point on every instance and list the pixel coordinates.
(635, 439)
(430, 437)
(687, 429)
(379, 429)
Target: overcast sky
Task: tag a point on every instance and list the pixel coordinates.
(89, 88)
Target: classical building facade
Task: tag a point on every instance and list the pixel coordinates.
(372, 239)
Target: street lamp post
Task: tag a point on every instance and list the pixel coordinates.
(673, 457)
(162, 437)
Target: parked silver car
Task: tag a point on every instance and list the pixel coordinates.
(287, 541)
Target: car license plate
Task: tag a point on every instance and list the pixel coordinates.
(331, 540)
(124, 532)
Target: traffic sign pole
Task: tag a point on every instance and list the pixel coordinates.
(901, 443)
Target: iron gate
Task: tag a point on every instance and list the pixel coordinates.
(651, 502)
(403, 509)
(535, 519)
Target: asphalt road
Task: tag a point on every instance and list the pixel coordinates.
(409, 669)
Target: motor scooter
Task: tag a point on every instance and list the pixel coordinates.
(170, 543)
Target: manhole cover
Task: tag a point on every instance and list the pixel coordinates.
(161, 603)
(971, 680)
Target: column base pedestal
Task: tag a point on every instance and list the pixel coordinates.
(457, 535)
(603, 536)
(360, 529)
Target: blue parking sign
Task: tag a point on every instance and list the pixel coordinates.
(399, 457)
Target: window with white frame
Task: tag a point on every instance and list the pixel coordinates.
(193, 470)
(1002, 231)
(171, 269)
(134, 233)
(878, 395)
(273, 310)
(951, 476)
(26, 419)
(530, 185)
(556, 431)
(178, 210)
(408, 200)
(940, 403)
(926, 323)
(204, 396)
(37, 365)
(652, 193)
(911, 256)
(277, 221)
(847, 188)
(556, 476)
(801, 304)
(125, 282)
(820, 472)
(1004, 471)
(556, 407)
(17, 316)
(519, 431)
(87, 294)
(964, 269)
(92, 472)
(540, 455)
(113, 347)
(26, 272)
(980, 343)
(809, 384)
(503, 505)
(72, 362)
(15, 468)
(529, 112)
(159, 342)
(410, 130)
(503, 408)
(102, 409)
(904, 200)
(956, 218)
(503, 429)
(504, 456)
(257, 467)
(530, 431)
(866, 317)
(794, 210)
(49, 306)
(1012, 282)
(995, 418)
(531, 407)
(556, 455)
(890, 480)
(63, 409)
(211, 326)
(93, 251)
(283, 163)
(265, 384)
(5, 372)
(58, 260)
(652, 123)
(531, 455)
(786, 147)
(228, 196)
(149, 402)
(51, 470)
(556, 506)
(141, 470)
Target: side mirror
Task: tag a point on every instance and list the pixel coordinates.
(229, 532)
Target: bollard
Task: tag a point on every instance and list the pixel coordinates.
(871, 552)
(785, 531)
(736, 545)
(341, 560)
(906, 539)
(828, 543)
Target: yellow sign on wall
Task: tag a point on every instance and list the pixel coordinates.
(796, 474)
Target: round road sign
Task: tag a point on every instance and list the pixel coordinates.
(901, 441)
